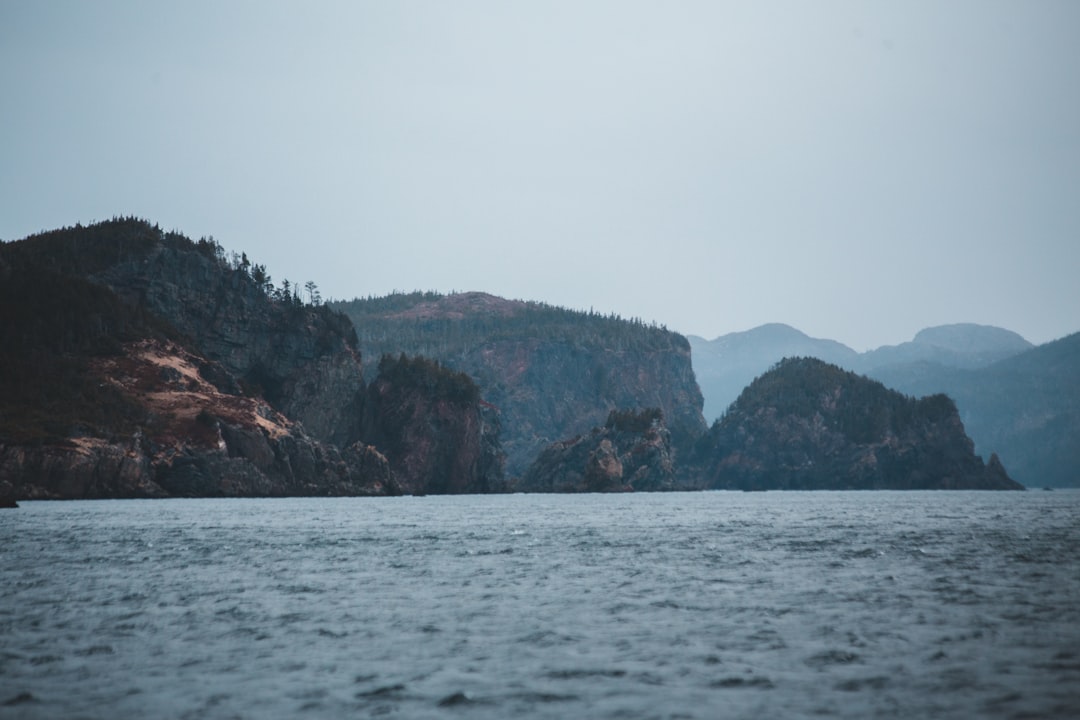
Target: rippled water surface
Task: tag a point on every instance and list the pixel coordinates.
(704, 605)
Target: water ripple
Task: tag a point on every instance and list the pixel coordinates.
(849, 605)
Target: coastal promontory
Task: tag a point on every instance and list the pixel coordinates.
(809, 425)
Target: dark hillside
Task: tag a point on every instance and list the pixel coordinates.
(141, 363)
(49, 324)
(431, 425)
(1026, 408)
(551, 372)
(808, 425)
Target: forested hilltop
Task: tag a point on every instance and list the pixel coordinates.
(437, 325)
(809, 425)
(550, 372)
(1026, 408)
(1020, 401)
(139, 362)
(142, 363)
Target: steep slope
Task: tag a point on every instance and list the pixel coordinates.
(807, 425)
(98, 399)
(1026, 408)
(632, 451)
(141, 363)
(437, 434)
(726, 365)
(1024, 412)
(551, 373)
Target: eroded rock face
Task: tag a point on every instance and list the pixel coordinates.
(437, 434)
(552, 373)
(809, 425)
(197, 442)
(141, 364)
(632, 451)
(302, 359)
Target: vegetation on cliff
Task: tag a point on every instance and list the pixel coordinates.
(437, 435)
(1026, 408)
(138, 362)
(632, 451)
(551, 372)
(51, 323)
(1016, 400)
(806, 424)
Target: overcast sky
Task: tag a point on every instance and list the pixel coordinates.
(859, 170)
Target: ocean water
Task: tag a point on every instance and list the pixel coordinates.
(685, 605)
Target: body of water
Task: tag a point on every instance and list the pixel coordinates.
(682, 605)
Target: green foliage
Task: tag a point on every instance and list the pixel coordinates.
(436, 381)
(392, 324)
(55, 317)
(862, 409)
(633, 421)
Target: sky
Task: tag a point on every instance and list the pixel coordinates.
(859, 170)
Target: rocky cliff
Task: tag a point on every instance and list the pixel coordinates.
(438, 435)
(632, 451)
(139, 363)
(726, 365)
(809, 425)
(183, 437)
(301, 358)
(551, 373)
(1026, 408)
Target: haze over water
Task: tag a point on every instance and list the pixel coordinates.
(855, 605)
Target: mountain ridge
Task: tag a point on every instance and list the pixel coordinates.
(809, 425)
(551, 372)
(140, 363)
(1024, 416)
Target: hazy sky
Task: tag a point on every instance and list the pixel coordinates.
(859, 170)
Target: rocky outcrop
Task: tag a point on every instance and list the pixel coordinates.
(632, 451)
(438, 435)
(300, 358)
(552, 373)
(139, 363)
(809, 425)
(195, 441)
(1026, 408)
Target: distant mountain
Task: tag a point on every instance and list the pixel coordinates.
(963, 345)
(550, 373)
(729, 363)
(1025, 408)
(1014, 399)
(809, 425)
(726, 365)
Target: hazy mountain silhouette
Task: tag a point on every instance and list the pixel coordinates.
(1017, 400)
(1026, 408)
(729, 363)
(809, 425)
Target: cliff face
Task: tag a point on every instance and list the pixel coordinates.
(1026, 408)
(302, 359)
(632, 451)
(138, 363)
(439, 437)
(551, 373)
(1018, 401)
(189, 440)
(809, 425)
